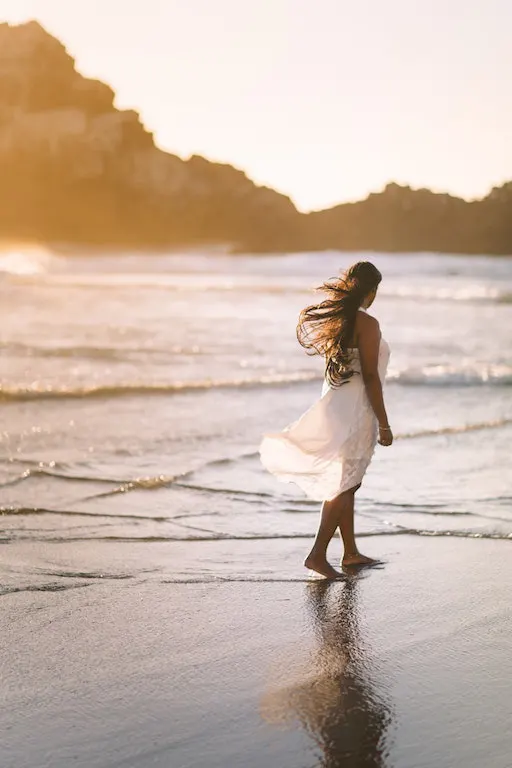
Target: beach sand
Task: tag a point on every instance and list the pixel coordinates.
(160, 655)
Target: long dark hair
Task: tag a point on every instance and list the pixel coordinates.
(327, 328)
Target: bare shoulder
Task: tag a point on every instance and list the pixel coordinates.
(367, 325)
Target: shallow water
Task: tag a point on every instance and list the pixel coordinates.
(135, 390)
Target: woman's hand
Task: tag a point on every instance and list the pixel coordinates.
(385, 435)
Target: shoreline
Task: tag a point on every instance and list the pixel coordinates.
(402, 666)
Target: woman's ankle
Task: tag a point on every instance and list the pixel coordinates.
(317, 554)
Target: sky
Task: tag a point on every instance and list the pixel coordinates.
(323, 100)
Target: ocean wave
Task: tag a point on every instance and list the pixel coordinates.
(452, 376)
(249, 580)
(13, 510)
(166, 282)
(139, 484)
(394, 530)
(41, 392)
(465, 294)
(30, 269)
(16, 349)
(65, 472)
(153, 483)
(461, 534)
(455, 430)
(25, 261)
(434, 376)
(51, 469)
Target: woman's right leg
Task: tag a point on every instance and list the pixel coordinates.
(329, 521)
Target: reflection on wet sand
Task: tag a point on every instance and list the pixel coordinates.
(340, 704)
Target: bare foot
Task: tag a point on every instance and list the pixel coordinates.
(321, 566)
(358, 559)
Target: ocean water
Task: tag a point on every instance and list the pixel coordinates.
(135, 390)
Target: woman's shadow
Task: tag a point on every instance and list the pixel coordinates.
(340, 704)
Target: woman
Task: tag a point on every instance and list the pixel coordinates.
(327, 451)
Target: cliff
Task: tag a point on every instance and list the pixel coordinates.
(403, 219)
(75, 168)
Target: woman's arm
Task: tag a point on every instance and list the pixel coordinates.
(368, 341)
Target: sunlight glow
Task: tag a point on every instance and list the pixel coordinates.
(324, 100)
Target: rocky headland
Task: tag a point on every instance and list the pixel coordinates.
(75, 169)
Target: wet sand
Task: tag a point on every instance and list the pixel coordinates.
(112, 655)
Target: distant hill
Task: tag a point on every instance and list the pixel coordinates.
(75, 169)
(403, 219)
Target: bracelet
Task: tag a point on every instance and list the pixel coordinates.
(385, 429)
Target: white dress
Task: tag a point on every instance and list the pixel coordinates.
(328, 450)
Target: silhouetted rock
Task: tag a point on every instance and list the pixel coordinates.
(74, 168)
(403, 219)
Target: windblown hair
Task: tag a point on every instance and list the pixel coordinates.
(327, 328)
